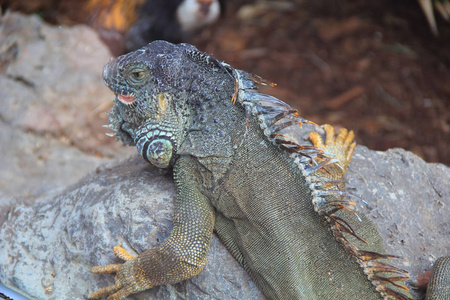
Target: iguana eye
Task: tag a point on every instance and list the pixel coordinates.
(136, 75)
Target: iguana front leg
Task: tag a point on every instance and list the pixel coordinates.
(180, 256)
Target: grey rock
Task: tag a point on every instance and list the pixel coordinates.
(128, 204)
(408, 200)
(53, 104)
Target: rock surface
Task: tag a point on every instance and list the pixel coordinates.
(128, 204)
(55, 225)
(409, 202)
(53, 104)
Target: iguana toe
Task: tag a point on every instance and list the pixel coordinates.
(119, 290)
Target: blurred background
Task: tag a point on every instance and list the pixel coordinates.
(381, 68)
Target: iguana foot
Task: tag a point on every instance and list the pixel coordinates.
(340, 147)
(125, 283)
(337, 151)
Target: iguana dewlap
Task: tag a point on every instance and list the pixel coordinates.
(245, 165)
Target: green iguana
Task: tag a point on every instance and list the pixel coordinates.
(247, 166)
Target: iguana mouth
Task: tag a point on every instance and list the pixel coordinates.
(126, 99)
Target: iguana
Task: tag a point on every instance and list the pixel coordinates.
(246, 165)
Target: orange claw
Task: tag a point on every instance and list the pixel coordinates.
(104, 292)
(122, 253)
(116, 291)
(317, 140)
(329, 134)
(109, 269)
(349, 139)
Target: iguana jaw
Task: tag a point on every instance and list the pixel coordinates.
(158, 147)
(126, 99)
(119, 126)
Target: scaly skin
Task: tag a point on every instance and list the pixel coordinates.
(269, 183)
(439, 284)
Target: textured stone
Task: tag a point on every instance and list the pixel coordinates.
(409, 201)
(53, 104)
(128, 204)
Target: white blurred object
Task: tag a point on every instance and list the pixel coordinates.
(442, 6)
(195, 14)
(9, 294)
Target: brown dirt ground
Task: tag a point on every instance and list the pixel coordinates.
(370, 66)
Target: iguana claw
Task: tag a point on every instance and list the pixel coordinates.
(119, 290)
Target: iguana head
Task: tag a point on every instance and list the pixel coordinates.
(149, 110)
